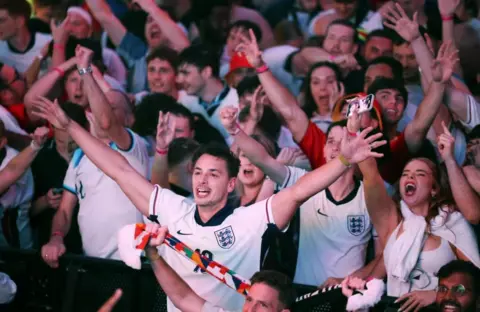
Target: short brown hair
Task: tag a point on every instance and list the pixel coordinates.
(17, 8)
(278, 281)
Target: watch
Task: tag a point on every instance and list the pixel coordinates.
(83, 71)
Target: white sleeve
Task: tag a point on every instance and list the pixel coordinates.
(8, 289)
(167, 205)
(69, 180)
(208, 307)
(473, 113)
(293, 174)
(18, 193)
(137, 153)
(115, 67)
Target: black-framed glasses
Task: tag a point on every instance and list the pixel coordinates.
(458, 290)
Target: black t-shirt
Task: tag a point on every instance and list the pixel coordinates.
(49, 169)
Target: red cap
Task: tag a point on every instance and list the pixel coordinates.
(238, 60)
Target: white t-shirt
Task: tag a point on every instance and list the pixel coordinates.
(473, 113)
(333, 235)
(104, 208)
(18, 196)
(275, 58)
(235, 242)
(22, 60)
(208, 307)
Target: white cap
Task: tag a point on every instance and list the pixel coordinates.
(82, 12)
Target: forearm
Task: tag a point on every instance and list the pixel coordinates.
(182, 296)
(457, 103)
(176, 37)
(448, 35)
(39, 205)
(467, 200)
(58, 54)
(417, 130)
(104, 15)
(267, 190)
(31, 74)
(160, 170)
(257, 154)
(367, 270)
(60, 224)
(423, 56)
(286, 104)
(16, 168)
(99, 104)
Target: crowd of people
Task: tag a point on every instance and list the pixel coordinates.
(316, 142)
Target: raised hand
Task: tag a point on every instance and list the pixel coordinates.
(146, 5)
(258, 103)
(288, 155)
(53, 250)
(336, 91)
(50, 111)
(157, 232)
(249, 47)
(165, 130)
(40, 135)
(447, 7)
(347, 62)
(61, 32)
(228, 117)
(443, 65)
(360, 148)
(446, 144)
(84, 56)
(112, 301)
(396, 19)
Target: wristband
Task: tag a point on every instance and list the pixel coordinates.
(60, 72)
(162, 151)
(352, 134)
(447, 18)
(58, 233)
(58, 46)
(35, 147)
(262, 69)
(344, 161)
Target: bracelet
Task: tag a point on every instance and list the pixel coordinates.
(344, 161)
(162, 151)
(447, 18)
(352, 134)
(35, 147)
(262, 69)
(58, 233)
(60, 72)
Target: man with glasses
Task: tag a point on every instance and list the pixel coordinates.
(458, 287)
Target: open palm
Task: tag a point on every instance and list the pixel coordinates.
(360, 148)
(50, 111)
(165, 130)
(396, 19)
(443, 65)
(249, 47)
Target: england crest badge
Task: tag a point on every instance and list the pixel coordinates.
(225, 237)
(356, 224)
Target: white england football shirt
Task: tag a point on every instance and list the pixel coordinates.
(104, 208)
(22, 60)
(333, 235)
(235, 242)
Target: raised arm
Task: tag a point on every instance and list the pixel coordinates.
(285, 203)
(165, 136)
(251, 148)
(467, 200)
(282, 100)
(112, 163)
(447, 11)
(442, 69)
(174, 34)
(20, 163)
(44, 87)
(181, 295)
(104, 15)
(396, 19)
(99, 104)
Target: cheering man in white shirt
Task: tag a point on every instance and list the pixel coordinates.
(104, 208)
(227, 234)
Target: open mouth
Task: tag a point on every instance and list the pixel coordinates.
(410, 189)
(248, 173)
(450, 307)
(202, 192)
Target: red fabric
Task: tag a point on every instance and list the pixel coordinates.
(19, 112)
(312, 145)
(391, 169)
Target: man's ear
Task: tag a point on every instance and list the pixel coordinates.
(231, 184)
(207, 72)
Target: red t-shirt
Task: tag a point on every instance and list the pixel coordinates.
(19, 112)
(391, 169)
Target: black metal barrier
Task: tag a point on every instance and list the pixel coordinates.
(83, 284)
